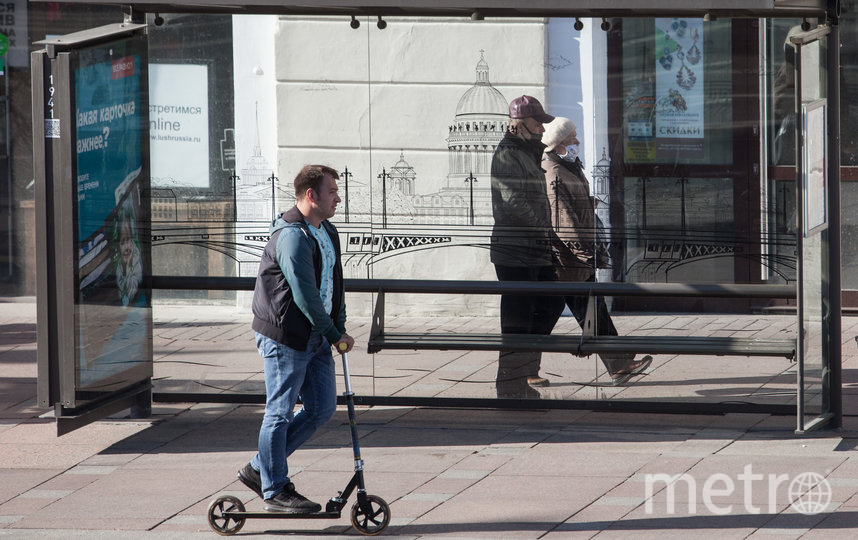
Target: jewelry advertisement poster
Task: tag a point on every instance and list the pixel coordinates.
(679, 104)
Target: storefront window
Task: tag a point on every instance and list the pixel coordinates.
(678, 124)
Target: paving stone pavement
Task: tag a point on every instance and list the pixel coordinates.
(446, 472)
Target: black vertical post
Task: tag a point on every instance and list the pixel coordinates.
(383, 177)
(785, 191)
(555, 184)
(346, 174)
(470, 180)
(835, 381)
(234, 196)
(682, 224)
(273, 197)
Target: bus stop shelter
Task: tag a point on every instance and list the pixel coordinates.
(89, 369)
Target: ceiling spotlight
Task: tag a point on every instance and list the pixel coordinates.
(605, 24)
(382, 24)
(709, 17)
(805, 25)
(578, 24)
(159, 20)
(355, 23)
(477, 16)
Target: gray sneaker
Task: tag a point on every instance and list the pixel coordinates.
(291, 501)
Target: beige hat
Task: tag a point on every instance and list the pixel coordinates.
(556, 132)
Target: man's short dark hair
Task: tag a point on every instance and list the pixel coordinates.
(310, 177)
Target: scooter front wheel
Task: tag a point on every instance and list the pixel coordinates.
(221, 524)
(370, 516)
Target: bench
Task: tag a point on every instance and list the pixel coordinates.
(583, 344)
(587, 342)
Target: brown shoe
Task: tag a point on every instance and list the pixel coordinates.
(538, 381)
(634, 368)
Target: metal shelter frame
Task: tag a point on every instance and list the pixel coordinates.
(824, 14)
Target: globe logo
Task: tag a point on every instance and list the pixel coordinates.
(810, 493)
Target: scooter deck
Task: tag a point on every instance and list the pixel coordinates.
(265, 514)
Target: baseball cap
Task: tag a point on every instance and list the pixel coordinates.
(528, 107)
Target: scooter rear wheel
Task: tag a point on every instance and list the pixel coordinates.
(371, 517)
(221, 524)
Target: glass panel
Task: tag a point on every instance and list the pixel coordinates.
(781, 56)
(814, 307)
(814, 317)
(192, 145)
(849, 90)
(113, 310)
(849, 234)
(678, 101)
(849, 145)
(411, 116)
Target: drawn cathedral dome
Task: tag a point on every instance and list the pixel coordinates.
(482, 116)
(482, 98)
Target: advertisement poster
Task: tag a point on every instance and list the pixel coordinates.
(112, 217)
(179, 125)
(679, 85)
(639, 115)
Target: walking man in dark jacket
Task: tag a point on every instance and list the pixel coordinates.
(299, 312)
(521, 244)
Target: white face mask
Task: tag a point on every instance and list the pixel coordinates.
(571, 152)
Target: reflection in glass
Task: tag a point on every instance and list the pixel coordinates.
(680, 229)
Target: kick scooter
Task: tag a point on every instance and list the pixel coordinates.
(370, 514)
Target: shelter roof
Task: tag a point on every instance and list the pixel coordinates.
(491, 8)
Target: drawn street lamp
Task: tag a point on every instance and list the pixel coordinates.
(346, 174)
(383, 176)
(471, 180)
(273, 197)
(683, 228)
(642, 188)
(234, 179)
(555, 184)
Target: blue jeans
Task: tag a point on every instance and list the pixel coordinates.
(290, 374)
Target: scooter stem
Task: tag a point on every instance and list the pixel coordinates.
(350, 403)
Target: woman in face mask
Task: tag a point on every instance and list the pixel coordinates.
(576, 255)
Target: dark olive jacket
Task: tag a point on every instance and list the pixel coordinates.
(522, 217)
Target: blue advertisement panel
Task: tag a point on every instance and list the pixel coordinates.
(113, 309)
